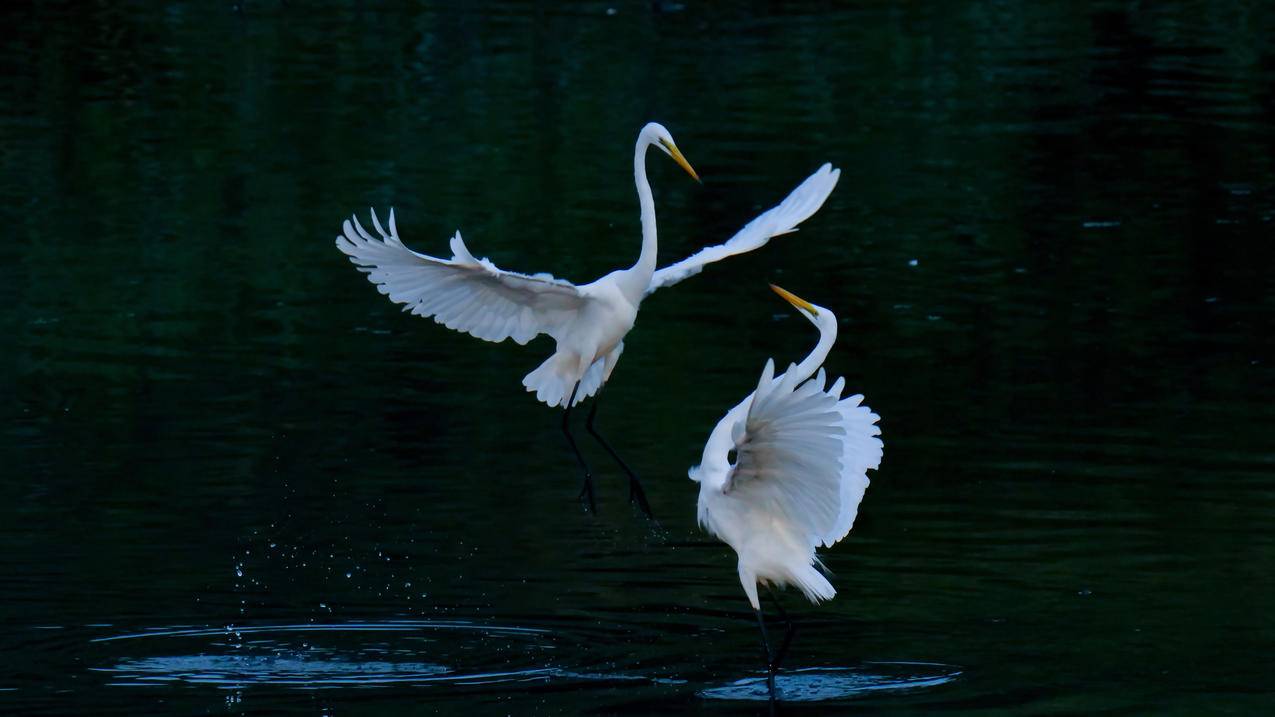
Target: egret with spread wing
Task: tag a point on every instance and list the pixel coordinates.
(783, 473)
(588, 321)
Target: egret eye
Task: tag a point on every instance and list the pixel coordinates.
(732, 456)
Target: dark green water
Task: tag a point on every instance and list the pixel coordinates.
(237, 479)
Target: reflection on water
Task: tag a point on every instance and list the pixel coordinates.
(818, 684)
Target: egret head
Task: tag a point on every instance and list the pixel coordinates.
(656, 134)
(818, 315)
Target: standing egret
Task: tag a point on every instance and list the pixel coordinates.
(783, 473)
(589, 321)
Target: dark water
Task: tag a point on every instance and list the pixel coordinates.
(237, 479)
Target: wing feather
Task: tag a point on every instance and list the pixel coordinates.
(860, 451)
(462, 293)
(804, 451)
(800, 204)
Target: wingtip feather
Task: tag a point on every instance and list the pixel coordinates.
(362, 232)
(767, 375)
(376, 224)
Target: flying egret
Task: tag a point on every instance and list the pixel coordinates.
(783, 473)
(589, 321)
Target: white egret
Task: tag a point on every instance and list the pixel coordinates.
(783, 473)
(588, 321)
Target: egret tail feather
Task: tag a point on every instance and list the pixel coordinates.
(813, 584)
(554, 380)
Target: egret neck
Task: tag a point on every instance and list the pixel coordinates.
(827, 323)
(639, 276)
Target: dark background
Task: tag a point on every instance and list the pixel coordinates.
(237, 479)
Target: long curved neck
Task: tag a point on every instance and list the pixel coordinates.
(827, 337)
(646, 261)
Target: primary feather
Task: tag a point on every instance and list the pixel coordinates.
(462, 293)
(797, 207)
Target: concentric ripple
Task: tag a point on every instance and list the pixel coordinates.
(823, 684)
(356, 654)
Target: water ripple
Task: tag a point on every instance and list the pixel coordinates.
(354, 654)
(819, 684)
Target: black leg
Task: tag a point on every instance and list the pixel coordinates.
(789, 632)
(586, 492)
(636, 494)
(765, 641)
(775, 600)
(770, 661)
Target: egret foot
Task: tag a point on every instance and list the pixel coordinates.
(636, 493)
(586, 495)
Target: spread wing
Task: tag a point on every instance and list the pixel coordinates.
(803, 202)
(796, 451)
(860, 451)
(462, 293)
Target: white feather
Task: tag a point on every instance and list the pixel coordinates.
(860, 451)
(462, 293)
(587, 322)
(800, 204)
(799, 473)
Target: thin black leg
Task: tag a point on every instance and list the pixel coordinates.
(586, 492)
(775, 600)
(770, 662)
(788, 633)
(765, 641)
(636, 494)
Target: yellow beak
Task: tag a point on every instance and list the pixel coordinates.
(676, 154)
(795, 300)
